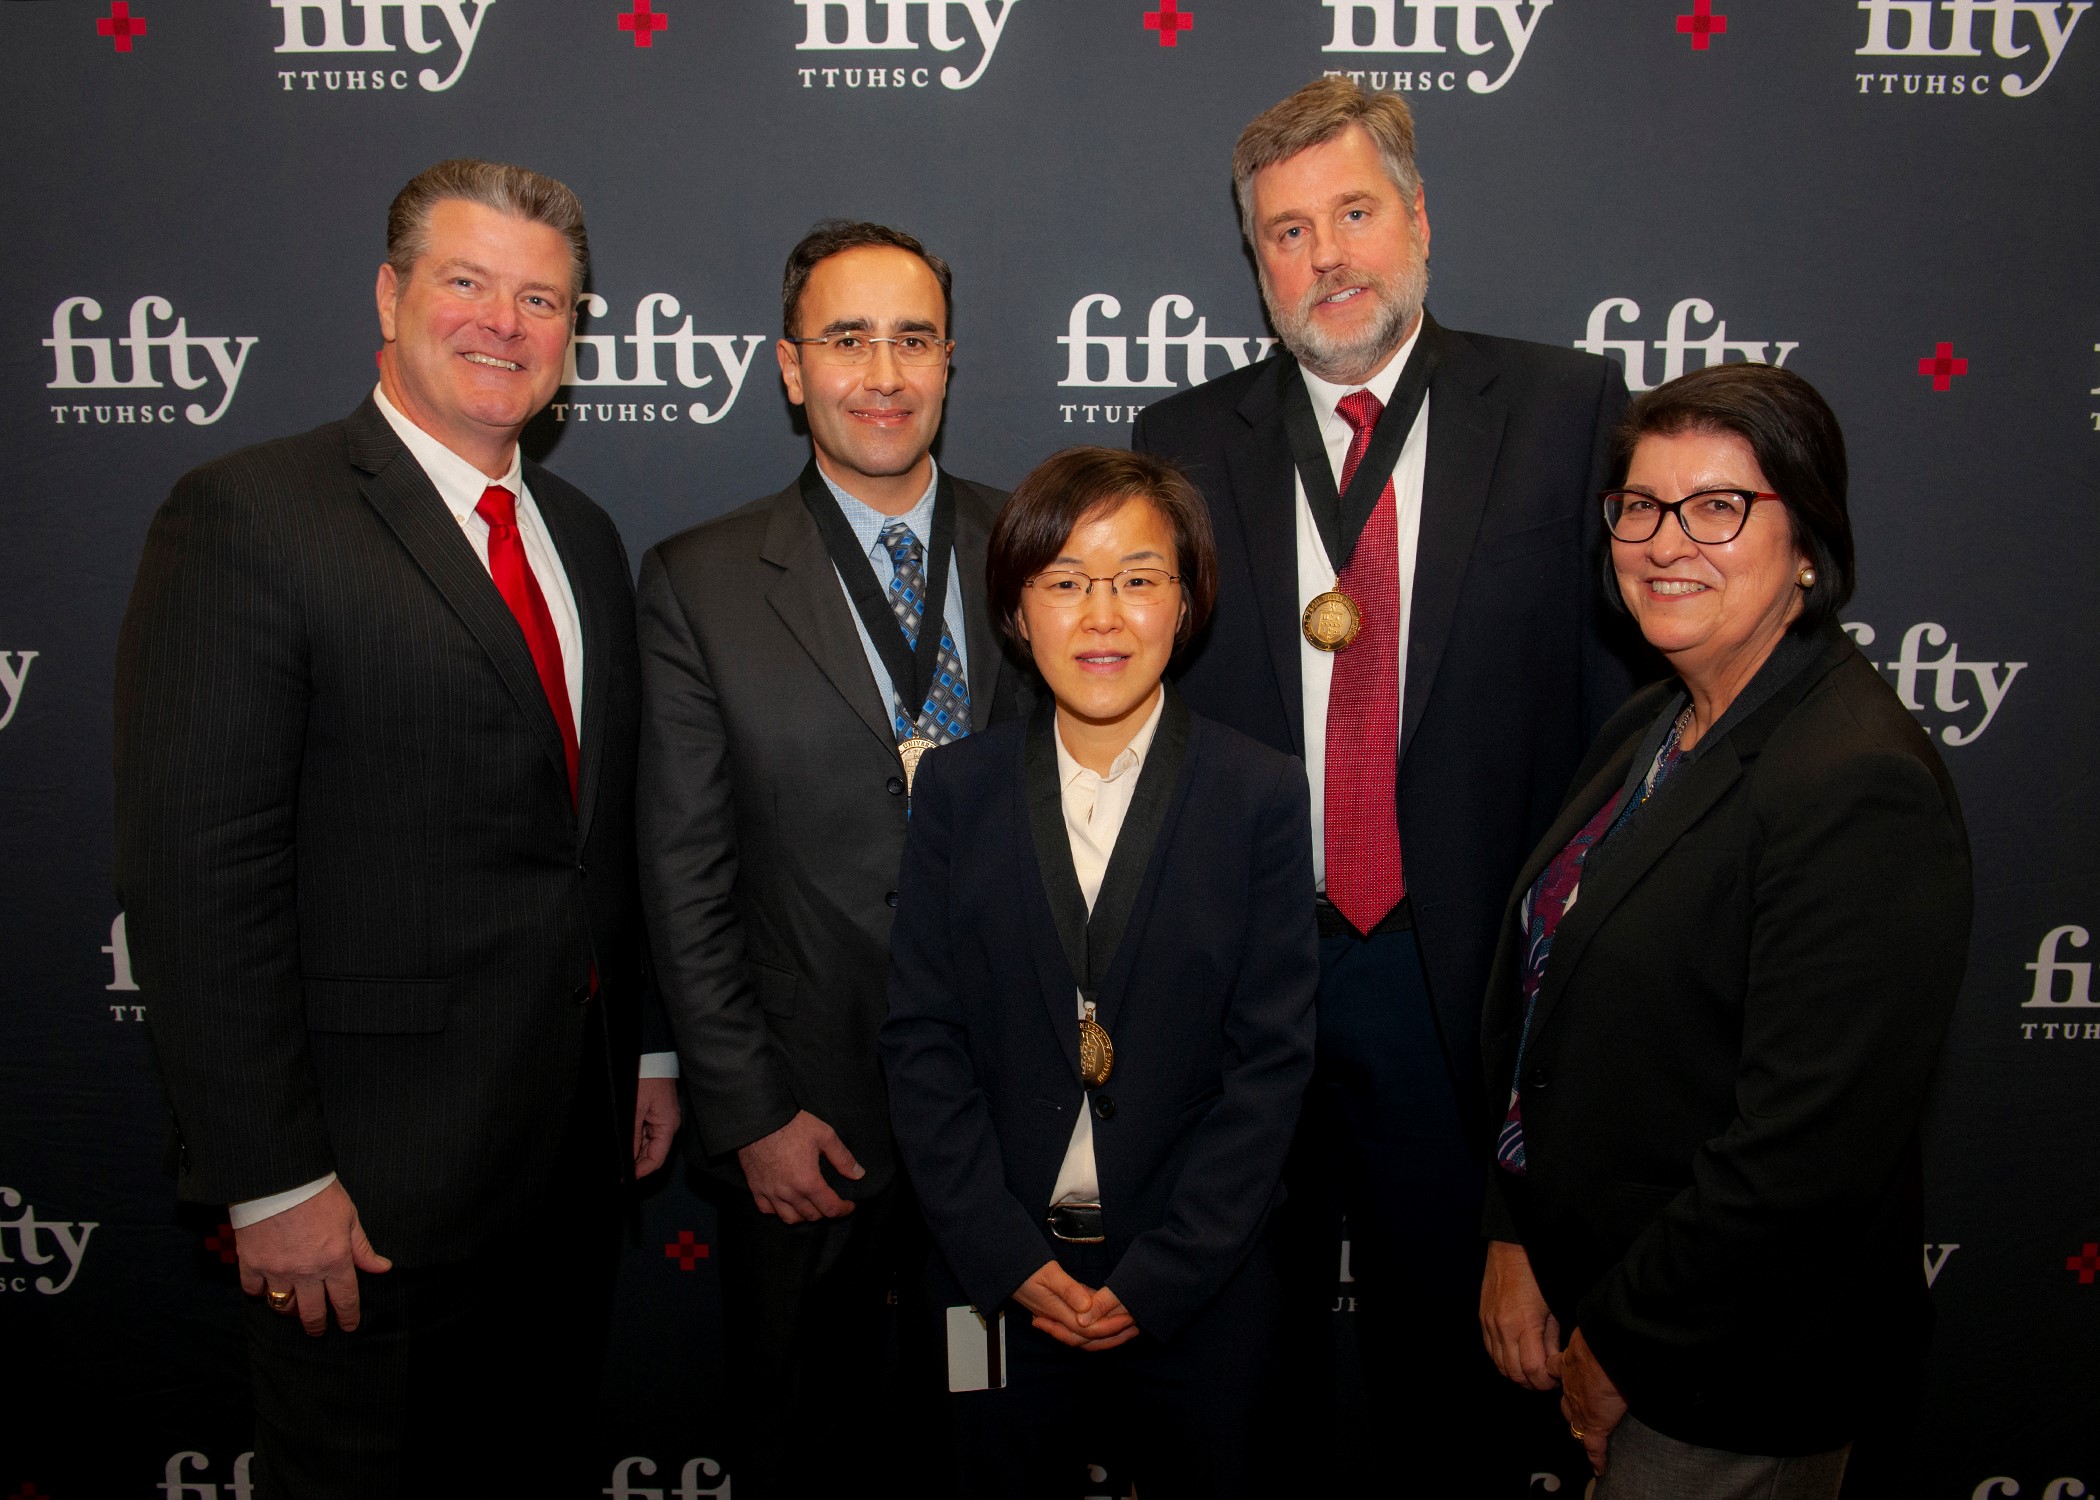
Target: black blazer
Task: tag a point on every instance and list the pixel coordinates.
(1730, 1056)
(1208, 999)
(363, 911)
(772, 820)
(1512, 664)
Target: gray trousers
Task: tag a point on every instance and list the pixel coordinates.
(1645, 1465)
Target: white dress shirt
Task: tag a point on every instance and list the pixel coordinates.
(460, 485)
(867, 523)
(1095, 806)
(1316, 574)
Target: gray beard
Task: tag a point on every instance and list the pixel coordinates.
(1350, 361)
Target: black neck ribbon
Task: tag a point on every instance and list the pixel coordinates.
(1339, 517)
(1090, 943)
(911, 668)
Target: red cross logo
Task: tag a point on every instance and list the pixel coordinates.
(644, 23)
(1702, 25)
(120, 25)
(686, 1249)
(1169, 21)
(2086, 1263)
(1943, 366)
(221, 1241)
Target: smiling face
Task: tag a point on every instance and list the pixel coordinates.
(477, 331)
(1715, 611)
(1103, 660)
(1344, 257)
(872, 424)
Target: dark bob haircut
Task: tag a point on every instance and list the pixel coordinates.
(1794, 436)
(1067, 488)
(829, 237)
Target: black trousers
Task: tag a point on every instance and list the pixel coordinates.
(830, 1362)
(480, 1377)
(1383, 1144)
(1174, 1417)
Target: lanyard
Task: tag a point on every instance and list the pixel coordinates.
(911, 668)
(1341, 518)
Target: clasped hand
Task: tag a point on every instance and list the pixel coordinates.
(1074, 1313)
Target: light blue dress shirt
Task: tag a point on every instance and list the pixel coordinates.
(867, 523)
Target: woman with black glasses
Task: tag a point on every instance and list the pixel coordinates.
(1724, 979)
(1100, 1028)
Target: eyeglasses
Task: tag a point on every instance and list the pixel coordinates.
(1141, 588)
(1709, 517)
(859, 348)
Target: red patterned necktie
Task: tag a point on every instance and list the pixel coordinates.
(521, 591)
(1362, 828)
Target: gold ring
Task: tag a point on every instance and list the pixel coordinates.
(280, 1301)
(1575, 1432)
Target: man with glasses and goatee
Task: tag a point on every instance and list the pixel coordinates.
(800, 655)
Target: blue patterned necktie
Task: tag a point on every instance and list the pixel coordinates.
(945, 715)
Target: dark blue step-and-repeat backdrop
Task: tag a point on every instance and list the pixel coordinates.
(1898, 198)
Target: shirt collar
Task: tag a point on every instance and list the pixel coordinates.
(459, 484)
(1131, 760)
(868, 522)
(1326, 395)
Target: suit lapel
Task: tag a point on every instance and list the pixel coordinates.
(809, 601)
(397, 488)
(1115, 980)
(564, 528)
(1465, 437)
(1057, 918)
(987, 656)
(1683, 800)
(1265, 490)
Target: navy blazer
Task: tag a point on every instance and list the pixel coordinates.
(1729, 1059)
(1208, 999)
(1512, 663)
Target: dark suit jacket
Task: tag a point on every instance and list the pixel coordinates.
(1510, 662)
(362, 909)
(1729, 1058)
(772, 820)
(1208, 999)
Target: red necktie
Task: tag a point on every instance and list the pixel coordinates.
(521, 591)
(1362, 828)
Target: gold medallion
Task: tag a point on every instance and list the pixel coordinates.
(1332, 621)
(911, 752)
(1097, 1054)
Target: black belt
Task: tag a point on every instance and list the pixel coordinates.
(1076, 1223)
(1334, 924)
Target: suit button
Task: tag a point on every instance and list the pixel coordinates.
(582, 872)
(1539, 1081)
(891, 898)
(896, 786)
(582, 993)
(1104, 1106)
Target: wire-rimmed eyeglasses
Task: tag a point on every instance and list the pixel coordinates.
(1710, 517)
(1068, 588)
(859, 348)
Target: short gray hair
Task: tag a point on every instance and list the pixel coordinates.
(1317, 113)
(515, 191)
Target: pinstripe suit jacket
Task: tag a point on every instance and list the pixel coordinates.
(362, 909)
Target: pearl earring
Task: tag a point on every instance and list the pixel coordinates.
(1806, 578)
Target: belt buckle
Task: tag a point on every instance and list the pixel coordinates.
(1076, 1223)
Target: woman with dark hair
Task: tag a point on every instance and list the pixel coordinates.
(1723, 982)
(1101, 985)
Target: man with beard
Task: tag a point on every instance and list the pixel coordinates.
(1407, 600)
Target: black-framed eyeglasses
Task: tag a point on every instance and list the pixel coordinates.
(1068, 588)
(1710, 517)
(859, 348)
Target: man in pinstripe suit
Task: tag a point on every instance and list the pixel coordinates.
(377, 699)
